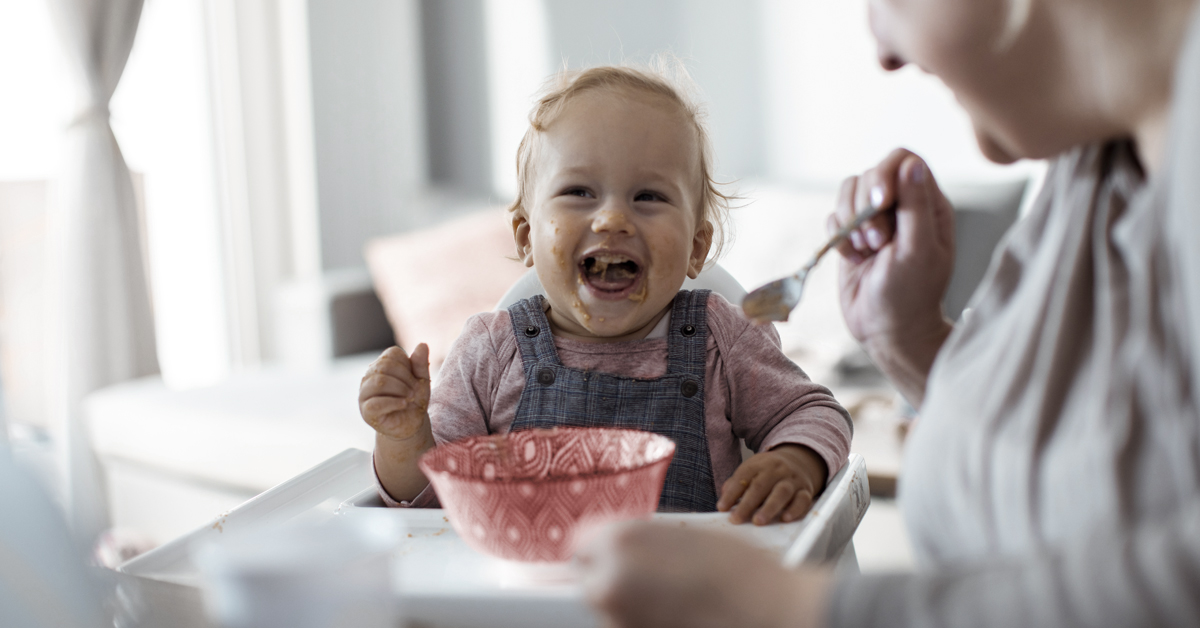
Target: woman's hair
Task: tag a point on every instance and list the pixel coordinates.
(666, 80)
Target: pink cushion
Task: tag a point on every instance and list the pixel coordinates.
(432, 280)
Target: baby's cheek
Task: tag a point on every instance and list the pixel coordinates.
(559, 257)
(670, 259)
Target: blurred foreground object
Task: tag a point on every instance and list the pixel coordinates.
(303, 575)
(43, 580)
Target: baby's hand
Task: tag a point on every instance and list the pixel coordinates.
(394, 395)
(784, 480)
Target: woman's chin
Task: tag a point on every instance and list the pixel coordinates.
(993, 150)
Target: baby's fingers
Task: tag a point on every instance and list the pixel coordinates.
(734, 487)
(758, 490)
(779, 497)
(394, 363)
(419, 361)
(799, 507)
(381, 407)
(379, 384)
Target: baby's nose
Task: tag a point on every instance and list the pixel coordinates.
(612, 218)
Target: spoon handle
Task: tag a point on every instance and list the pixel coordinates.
(842, 234)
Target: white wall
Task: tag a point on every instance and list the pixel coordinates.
(833, 111)
(718, 40)
(368, 115)
(793, 87)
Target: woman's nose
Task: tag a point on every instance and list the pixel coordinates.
(877, 18)
(612, 217)
(890, 60)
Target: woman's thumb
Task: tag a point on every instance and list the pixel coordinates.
(916, 207)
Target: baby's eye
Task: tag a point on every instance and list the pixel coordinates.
(580, 192)
(649, 197)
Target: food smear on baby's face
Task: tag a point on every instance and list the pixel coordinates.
(640, 295)
(616, 203)
(579, 307)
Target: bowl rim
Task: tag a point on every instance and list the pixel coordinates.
(424, 461)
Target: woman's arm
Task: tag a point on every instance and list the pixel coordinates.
(895, 269)
(1144, 575)
(662, 575)
(649, 574)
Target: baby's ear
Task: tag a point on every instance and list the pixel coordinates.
(701, 243)
(523, 241)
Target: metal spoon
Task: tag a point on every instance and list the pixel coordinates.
(776, 300)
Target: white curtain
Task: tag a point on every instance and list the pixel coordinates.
(101, 329)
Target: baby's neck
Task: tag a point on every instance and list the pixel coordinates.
(633, 334)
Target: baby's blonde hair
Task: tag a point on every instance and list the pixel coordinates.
(667, 80)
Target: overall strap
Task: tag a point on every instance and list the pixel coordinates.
(532, 332)
(687, 338)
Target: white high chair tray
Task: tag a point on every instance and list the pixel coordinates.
(442, 582)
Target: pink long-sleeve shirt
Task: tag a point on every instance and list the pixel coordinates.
(752, 390)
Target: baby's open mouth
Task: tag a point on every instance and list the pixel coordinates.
(610, 273)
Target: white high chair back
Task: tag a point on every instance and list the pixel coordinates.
(712, 278)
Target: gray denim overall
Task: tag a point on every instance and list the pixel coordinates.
(671, 405)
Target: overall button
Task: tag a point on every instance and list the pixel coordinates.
(689, 388)
(688, 330)
(531, 331)
(546, 377)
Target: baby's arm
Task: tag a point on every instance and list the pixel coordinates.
(801, 432)
(394, 399)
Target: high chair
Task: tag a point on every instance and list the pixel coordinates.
(443, 583)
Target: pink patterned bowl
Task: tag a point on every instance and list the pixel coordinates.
(527, 495)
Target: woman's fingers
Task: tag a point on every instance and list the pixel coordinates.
(877, 189)
(926, 217)
(843, 214)
(872, 190)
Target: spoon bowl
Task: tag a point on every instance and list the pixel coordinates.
(775, 301)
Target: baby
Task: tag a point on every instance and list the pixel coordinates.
(615, 207)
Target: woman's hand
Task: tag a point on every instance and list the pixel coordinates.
(648, 574)
(781, 483)
(393, 398)
(896, 268)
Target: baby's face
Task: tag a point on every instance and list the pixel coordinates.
(613, 224)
